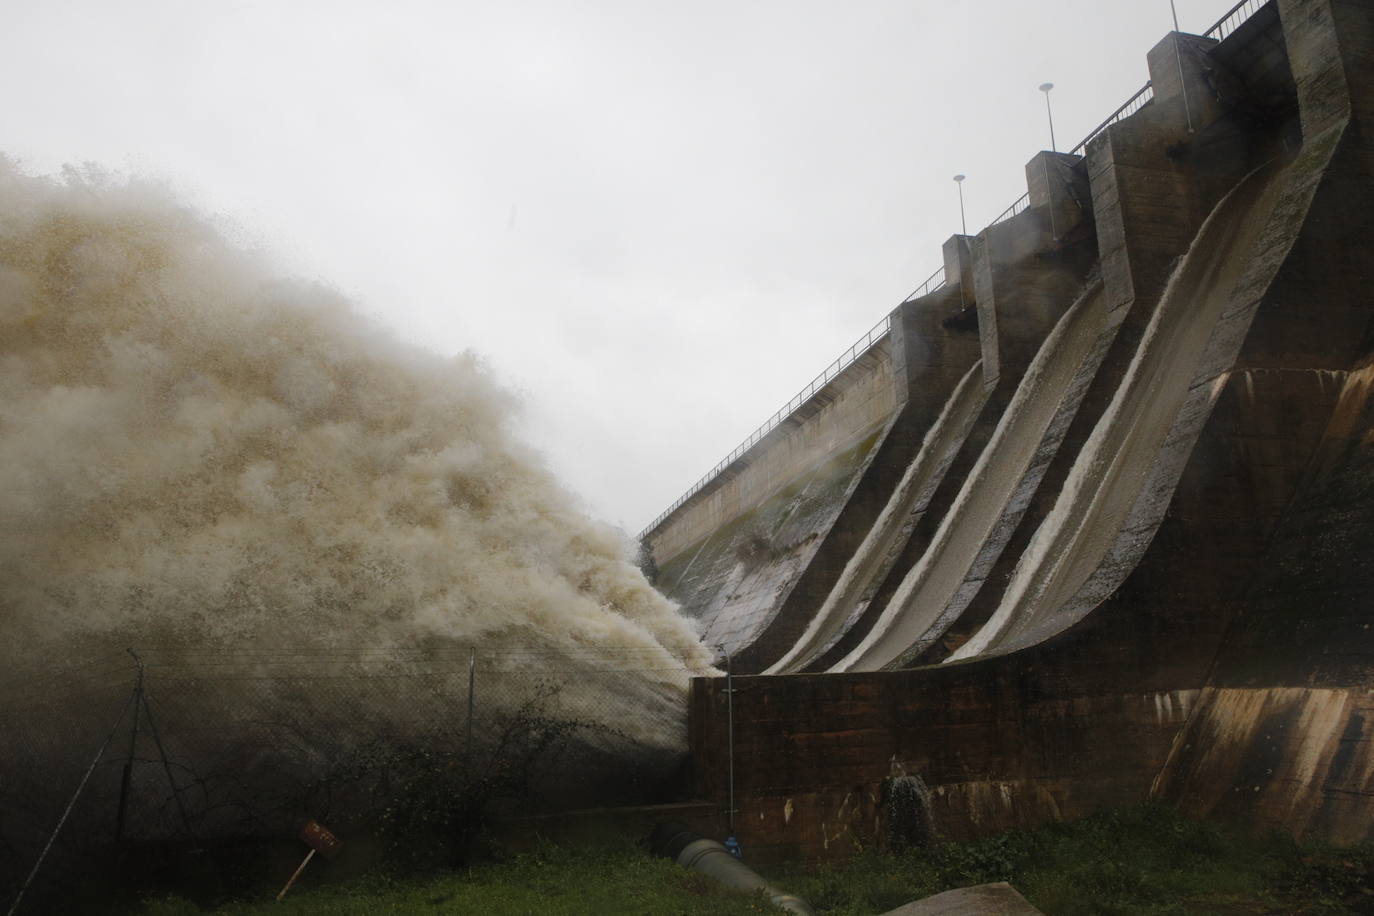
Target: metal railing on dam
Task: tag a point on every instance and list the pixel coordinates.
(1129, 107)
(1219, 30)
(1237, 14)
(860, 347)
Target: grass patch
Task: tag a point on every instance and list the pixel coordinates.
(1138, 861)
(555, 881)
(1141, 860)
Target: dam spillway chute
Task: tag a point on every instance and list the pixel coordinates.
(938, 588)
(753, 553)
(873, 560)
(964, 552)
(1123, 479)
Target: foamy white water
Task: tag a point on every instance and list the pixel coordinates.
(195, 450)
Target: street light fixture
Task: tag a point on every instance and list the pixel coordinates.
(959, 181)
(1045, 88)
(1178, 55)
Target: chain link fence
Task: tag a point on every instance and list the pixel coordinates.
(194, 746)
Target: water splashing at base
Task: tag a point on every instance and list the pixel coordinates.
(197, 452)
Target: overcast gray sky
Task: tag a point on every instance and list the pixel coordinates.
(656, 220)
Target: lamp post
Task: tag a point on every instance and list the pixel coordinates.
(963, 230)
(959, 183)
(1178, 55)
(1045, 88)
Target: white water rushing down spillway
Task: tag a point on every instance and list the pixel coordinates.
(196, 452)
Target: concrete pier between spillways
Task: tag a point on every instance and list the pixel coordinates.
(1136, 566)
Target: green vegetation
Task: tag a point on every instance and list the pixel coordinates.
(1140, 860)
(553, 881)
(1143, 860)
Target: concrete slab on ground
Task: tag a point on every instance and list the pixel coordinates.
(1000, 899)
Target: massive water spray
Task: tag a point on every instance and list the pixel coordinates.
(199, 455)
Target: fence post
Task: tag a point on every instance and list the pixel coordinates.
(731, 842)
(127, 777)
(472, 685)
(142, 696)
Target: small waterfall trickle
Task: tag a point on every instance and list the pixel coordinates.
(906, 809)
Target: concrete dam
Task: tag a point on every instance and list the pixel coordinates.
(1089, 518)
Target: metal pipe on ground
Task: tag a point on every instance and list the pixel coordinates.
(691, 850)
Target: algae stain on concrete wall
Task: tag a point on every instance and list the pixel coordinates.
(1296, 758)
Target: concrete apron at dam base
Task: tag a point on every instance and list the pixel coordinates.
(1093, 522)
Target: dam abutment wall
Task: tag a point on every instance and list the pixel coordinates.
(1136, 566)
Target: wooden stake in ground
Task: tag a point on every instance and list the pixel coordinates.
(319, 840)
